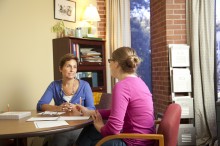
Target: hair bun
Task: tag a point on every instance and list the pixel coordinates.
(132, 61)
(127, 59)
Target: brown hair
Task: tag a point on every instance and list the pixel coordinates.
(65, 58)
(127, 59)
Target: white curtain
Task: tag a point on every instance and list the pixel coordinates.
(200, 34)
(118, 32)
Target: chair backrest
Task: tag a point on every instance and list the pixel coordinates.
(105, 101)
(169, 125)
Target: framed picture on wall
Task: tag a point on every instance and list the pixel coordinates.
(65, 10)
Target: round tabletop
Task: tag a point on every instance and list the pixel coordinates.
(21, 128)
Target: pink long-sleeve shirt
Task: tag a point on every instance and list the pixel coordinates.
(132, 111)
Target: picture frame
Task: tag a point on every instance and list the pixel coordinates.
(65, 10)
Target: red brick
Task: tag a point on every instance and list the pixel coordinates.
(172, 6)
(164, 32)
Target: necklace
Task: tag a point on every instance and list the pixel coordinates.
(68, 94)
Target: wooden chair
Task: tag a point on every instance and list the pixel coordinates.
(167, 133)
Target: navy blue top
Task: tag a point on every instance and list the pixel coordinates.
(55, 92)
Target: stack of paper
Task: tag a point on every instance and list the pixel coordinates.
(14, 115)
(88, 54)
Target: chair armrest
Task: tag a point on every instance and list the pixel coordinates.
(133, 136)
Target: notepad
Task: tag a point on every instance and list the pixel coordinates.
(14, 115)
(49, 124)
(61, 118)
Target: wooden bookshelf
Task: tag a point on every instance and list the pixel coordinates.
(91, 59)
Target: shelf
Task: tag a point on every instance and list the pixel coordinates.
(91, 58)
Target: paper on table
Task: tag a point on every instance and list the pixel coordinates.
(42, 119)
(51, 113)
(73, 118)
(61, 118)
(48, 124)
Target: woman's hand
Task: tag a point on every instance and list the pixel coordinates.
(68, 107)
(97, 121)
(84, 111)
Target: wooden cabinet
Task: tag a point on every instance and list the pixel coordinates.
(91, 59)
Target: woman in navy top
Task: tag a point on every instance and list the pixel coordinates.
(66, 93)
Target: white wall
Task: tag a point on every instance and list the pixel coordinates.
(26, 59)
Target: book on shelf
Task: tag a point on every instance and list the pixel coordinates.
(89, 55)
(74, 50)
(15, 115)
(94, 79)
(92, 59)
(89, 51)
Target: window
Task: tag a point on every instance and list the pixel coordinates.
(140, 36)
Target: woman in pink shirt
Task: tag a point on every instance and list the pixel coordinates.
(132, 106)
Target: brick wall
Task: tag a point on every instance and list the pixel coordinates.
(101, 24)
(168, 26)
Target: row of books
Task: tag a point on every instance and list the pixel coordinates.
(86, 54)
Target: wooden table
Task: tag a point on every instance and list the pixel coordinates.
(20, 129)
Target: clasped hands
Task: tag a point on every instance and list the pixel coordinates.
(68, 107)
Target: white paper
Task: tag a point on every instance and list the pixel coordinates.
(51, 113)
(65, 118)
(42, 119)
(14, 115)
(48, 124)
(61, 118)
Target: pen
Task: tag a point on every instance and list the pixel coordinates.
(80, 100)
